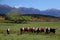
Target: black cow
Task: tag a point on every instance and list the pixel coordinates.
(8, 31)
(49, 30)
(52, 30)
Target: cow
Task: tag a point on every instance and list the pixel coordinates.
(50, 30)
(8, 31)
(39, 30)
(36, 30)
(31, 29)
(23, 30)
(47, 30)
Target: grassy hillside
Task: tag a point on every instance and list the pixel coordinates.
(30, 36)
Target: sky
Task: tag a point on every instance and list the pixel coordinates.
(37, 4)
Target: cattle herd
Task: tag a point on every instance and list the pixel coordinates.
(34, 30)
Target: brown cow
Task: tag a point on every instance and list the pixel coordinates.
(23, 30)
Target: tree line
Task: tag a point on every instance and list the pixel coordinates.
(15, 16)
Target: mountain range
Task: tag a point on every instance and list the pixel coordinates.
(23, 10)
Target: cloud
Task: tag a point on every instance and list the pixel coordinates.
(16, 6)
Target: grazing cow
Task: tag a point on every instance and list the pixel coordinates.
(23, 30)
(8, 31)
(31, 29)
(52, 30)
(40, 29)
(36, 30)
(49, 30)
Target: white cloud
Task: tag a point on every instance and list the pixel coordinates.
(16, 6)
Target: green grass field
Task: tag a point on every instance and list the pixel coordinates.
(30, 36)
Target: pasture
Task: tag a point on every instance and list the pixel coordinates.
(29, 36)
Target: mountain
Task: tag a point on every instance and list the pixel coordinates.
(23, 10)
(29, 10)
(52, 12)
(4, 9)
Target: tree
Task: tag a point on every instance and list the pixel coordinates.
(15, 16)
(26, 18)
(12, 15)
